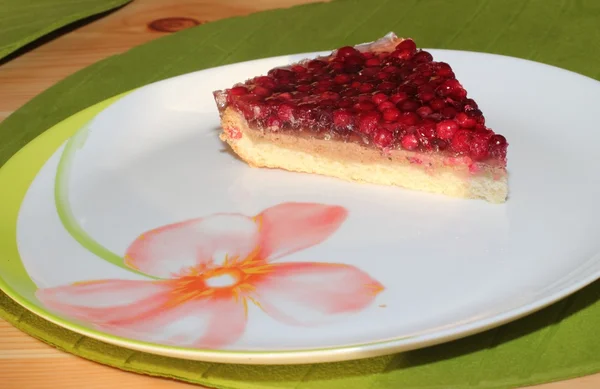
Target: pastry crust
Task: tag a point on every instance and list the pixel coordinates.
(351, 161)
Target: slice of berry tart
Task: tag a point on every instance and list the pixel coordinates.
(383, 112)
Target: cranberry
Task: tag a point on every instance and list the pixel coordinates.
(316, 64)
(366, 87)
(497, 146)
(444, 70)
(372, 62)
(446, 129)
(285, 96)
(407, 44)
(368, 73)
(238, 91)
(398, 97)
(448, 112)
(476, 115)
(262, 91)
(425, 69)
(364, 106)
(342, 118)
(402, 55)
(367, 122)
(342, 79)
(470, 104)
(408, 105)
(274, 123)
(266, 81)
(425, 93)
(461, 141)
(383, 138)
(391, 69)
(409, 142)
(449, 87)
(298, 69)
(386, 105)
(437, 104)
(383, 76)
(479, 147)
(386, 86)
(465, 121)
(328, 95)
(391, 114)
(422, 57)
(347, 51)
(349, 92)
(424, 111)
(325, 82)
(379, 98)
(304, 88)
(337, 66)
(427, 130)
(280, 73)
(408, 119)
(285, 112)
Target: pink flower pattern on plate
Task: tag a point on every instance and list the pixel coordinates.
(211, 269)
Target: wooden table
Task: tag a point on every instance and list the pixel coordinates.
(24, 361)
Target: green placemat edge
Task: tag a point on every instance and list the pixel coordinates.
(11, 47)
(44, 115)
(212, 375)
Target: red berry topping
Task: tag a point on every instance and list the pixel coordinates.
(285, 112)
(371, 62)
(386, 105)
(347, 51)
(461, 141)
(342, 118)
(367, 122)
(238, 91)
(409, 142)
(298, 69)
(407, 44)
(391, 114)
(465, 121)
(396, 96)
(383, 138)
(446, 129)
(424, 111)
(261, 91)
(379, 98)
(422, 57)
(342, 79)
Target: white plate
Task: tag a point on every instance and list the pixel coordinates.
(399, 269)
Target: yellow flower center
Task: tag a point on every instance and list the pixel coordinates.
(233, 279)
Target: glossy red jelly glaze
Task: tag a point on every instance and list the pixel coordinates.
(388, 99)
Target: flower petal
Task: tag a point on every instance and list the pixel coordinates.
(290, 227)
(313, 293)
(98, 302)
(143, 310)
(176, 248)
(201, 323)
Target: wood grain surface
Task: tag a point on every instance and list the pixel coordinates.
(26, 362)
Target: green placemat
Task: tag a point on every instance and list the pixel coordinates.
(559, 342)
(23, 21)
